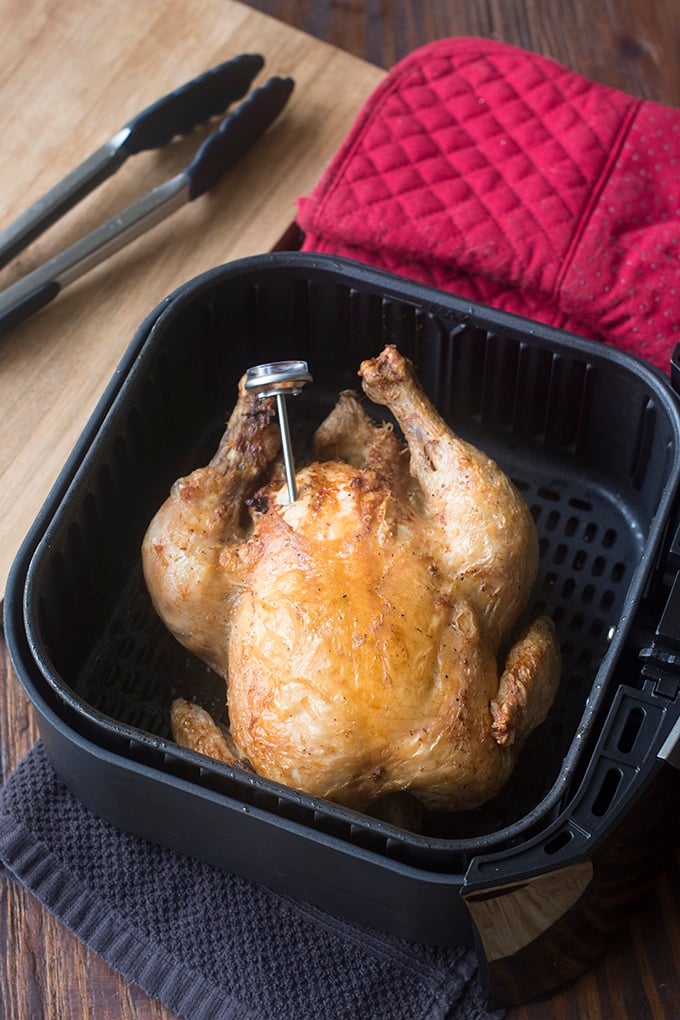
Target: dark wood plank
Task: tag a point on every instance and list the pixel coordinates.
(627, 45)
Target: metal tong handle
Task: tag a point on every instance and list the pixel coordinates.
(219, 152)
(177, 113)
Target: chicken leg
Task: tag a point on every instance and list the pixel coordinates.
(489, 549)
(191, 589)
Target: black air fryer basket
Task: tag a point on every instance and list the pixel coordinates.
(592, 439)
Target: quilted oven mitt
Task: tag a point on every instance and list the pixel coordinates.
(498, 174)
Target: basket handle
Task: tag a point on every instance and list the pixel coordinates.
(543, 911)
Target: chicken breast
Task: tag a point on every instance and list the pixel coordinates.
(363, 630)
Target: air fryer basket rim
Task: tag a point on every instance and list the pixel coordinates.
(133, 364)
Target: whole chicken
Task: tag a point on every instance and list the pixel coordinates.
(363, 630)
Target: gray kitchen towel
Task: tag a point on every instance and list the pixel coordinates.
(209, 945)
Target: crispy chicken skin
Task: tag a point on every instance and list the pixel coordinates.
(363, 630)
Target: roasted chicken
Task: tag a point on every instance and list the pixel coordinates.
(366, 631)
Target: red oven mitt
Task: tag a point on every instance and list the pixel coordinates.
(500, 175)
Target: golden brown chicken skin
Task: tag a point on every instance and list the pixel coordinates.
(362, 628)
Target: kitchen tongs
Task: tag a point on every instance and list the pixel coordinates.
(177, 113)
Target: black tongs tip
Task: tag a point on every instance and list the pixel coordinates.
(236, 134)
(177, 113)
(192, 104)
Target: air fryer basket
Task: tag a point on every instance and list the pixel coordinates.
(589, 435)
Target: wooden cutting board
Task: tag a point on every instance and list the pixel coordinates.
(72, 74)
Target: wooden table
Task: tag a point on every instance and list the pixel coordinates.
(71, 74)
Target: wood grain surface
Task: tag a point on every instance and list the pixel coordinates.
(56, 110)
(88, 58)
